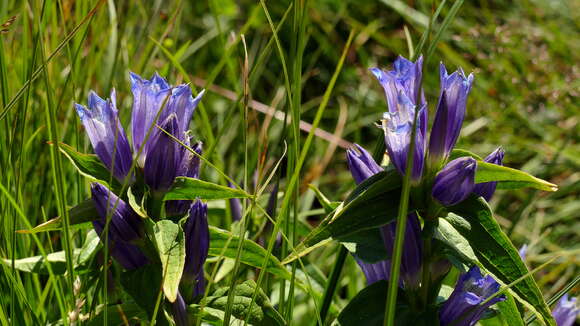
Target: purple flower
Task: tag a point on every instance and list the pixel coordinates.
(125, 226)
(402, 87)
(464, 307)
(410, 261)
(361, 164)
(196, 246)
(487, 189)
(455, 181)
(101, 121)
(566, 311)
(162, 158)
(450, 112)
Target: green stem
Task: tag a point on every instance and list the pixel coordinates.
(332, 282)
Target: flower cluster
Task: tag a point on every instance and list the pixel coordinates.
(456, 180)
(161, 115)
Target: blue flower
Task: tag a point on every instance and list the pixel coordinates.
(161, 157)
(361, 164)
(196, 246)
(402, 87)
(465, 305)
(106, 133)
(487, 189)
(455, 182)
(566, 311)
(124, 227)
(450, 113)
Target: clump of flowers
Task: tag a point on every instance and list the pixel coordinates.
(161, 114)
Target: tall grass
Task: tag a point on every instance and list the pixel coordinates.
(309, 60)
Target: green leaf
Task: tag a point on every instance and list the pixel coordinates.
(170, 243)
(224, 244)
(497, 254)
(367, 245)
(185, 188)
(261, 313)
(57, 260)
(118, 315)
(371, 204)
(368, 308)
(89, 165)
(143, 285)
(510, 178)
(328, 205)
(507, 178)
(509, 314)
(79, 216)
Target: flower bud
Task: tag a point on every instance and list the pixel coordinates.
(455, 182)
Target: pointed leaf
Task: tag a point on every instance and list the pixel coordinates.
(494, 250)
(372, 203)
(79, 216)
(510, 178)
(143, 285)
(170, 243)
(185, 188)
(89, 165)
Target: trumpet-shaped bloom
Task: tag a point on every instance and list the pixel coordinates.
(124, 227)
(487, 189)
(566, 311)
(402, 88)
(465, 305)
(196, 245)
(450, 112)
(156, 104)
(101, 121)
(455, 182)
(361, 164)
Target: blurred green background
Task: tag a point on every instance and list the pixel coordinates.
(524, 55)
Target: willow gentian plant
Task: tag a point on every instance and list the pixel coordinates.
(159, 153)
(449, 225)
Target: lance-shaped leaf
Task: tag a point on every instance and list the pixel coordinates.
(170, 243)
(497, 254)
(89, 165)
(79, 216)
(57, 260)
(185, 188)
(510, 178)
(371, 204)
(507, 178)
(143, 285)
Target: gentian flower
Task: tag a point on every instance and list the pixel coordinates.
(124, 227)
(402, 88)
(180, 311)
(450, 112)
(363, 166)
(196, 246)
(106, 133)
(189, 167)
(523, 251)
(487, 189)
(455, 182)
(566, 311)
(161, 157)
(464, 307)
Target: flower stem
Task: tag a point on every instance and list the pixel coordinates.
(332, 282)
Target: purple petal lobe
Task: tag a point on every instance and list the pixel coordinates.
(361, 164)
(455, 182)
